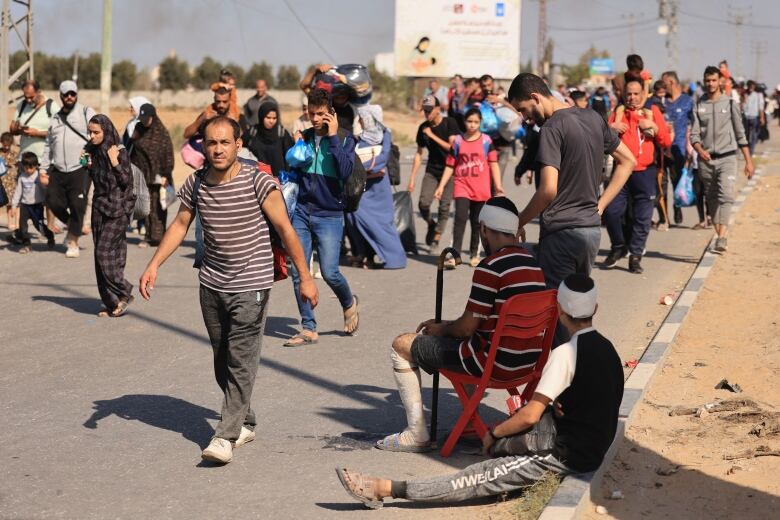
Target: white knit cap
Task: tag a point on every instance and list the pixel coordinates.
(578, 304)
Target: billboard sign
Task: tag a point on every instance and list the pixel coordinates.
(440, 38)
(602, 66)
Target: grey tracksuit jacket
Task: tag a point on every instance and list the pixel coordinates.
(718, 125)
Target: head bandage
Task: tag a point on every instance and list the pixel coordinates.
(499, 219)
(577, 304)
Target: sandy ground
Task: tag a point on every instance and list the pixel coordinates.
(674, 466)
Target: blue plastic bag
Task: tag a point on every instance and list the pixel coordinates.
(300, 155)
(684, 195)
(489, 123)
(290, 189)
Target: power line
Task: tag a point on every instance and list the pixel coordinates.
(311, 34)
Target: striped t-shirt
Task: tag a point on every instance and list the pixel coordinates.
(510, 271)
(238, 255)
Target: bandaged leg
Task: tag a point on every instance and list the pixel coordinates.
(407, 378)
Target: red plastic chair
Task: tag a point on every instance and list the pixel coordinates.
(523, 317)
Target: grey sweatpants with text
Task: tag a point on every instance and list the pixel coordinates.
(235, 323)
(527, 460)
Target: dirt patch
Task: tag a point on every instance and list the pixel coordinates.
(693, 451)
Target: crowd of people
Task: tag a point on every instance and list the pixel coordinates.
(264, 198)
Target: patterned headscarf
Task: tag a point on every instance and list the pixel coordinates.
(111, 138)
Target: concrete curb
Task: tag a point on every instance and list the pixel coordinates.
(572, 497)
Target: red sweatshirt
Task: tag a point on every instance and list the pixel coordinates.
(642, 146)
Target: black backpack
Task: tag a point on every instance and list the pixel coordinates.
(394, 165)
(355, 184)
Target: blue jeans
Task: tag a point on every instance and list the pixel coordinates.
(642, 188)
(328, 232)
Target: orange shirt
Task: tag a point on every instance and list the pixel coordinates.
(642, 146)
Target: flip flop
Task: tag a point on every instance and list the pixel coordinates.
(121, 307)
(392, 443)
(302, 338)
(358, 487)
(354, 318)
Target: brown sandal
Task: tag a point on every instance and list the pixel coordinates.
(305, 337)
(121, 307)
(360, 488)
(352, 317)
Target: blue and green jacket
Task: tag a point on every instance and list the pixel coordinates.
(321, 184)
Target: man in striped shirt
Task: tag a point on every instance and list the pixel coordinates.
(462, 345)
(236, 204)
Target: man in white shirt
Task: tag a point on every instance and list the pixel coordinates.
(582, 382)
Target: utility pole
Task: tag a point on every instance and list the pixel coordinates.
(668, 13)
(758, 48)
(75, 76)
(631, 21)
(7, 23)
(738, 18)
(541, 38)
(105, 61)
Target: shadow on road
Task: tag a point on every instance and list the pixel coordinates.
(76, 304)
(160, 411)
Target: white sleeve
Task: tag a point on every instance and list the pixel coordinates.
(558, 372)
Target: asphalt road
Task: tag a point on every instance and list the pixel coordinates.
(106, 418)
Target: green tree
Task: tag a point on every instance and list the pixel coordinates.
(89, 71)
(174, 73)
(206, 73)
(390, 92)
(288, 77)
(237, 71)
(576, 74)
(123, 75)
(257, 71)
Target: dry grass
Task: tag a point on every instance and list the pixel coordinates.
(527, 505)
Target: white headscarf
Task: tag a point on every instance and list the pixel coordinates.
(136, 103)
(373, 129)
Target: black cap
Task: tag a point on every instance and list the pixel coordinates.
(147, 110)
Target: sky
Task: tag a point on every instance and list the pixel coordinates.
(349, 31)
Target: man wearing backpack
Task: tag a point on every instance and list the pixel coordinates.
(66, 195)
(599, 102)
(716, 133)
(319, 211)
(32, 123)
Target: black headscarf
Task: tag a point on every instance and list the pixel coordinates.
(99, 153)
(271, 144)
(152, 150)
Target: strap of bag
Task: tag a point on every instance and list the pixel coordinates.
(195, 190)
(64, 118)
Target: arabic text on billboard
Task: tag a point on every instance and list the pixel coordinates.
(471, 38)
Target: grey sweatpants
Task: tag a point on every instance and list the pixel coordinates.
(429, 184)
(719, 177)
(527, 460)
(235, 324)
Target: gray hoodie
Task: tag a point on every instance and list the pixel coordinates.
(63, 145)
(717, 125)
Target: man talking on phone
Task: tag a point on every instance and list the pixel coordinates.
(319, 211)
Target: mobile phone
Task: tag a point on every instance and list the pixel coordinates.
(331, 111)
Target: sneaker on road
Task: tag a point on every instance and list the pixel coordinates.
(635, 265)
(218, 450)
(614, 255)
(721, 245)
(246, 435)
(72, 252)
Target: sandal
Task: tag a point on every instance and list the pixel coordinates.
(121, 307)
(393, 443)
(104, 313)
(305, 337)
(352, 317)
(360, 488)
(700, 225)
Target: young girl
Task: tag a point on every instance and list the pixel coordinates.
(474, 162)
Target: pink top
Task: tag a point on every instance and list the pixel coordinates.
(470, 161)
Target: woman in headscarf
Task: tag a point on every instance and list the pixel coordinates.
(271, 141)
(371, 228)
(109, 167)
(135, 108)
(152, 153)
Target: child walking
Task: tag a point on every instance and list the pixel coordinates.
(474, 162)
(28, 199)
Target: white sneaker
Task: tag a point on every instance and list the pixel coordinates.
(72, 252)
(246, 435)
(218, 450)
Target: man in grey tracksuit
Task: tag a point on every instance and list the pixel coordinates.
(716, 133)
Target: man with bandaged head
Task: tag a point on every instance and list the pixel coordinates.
(566, 427)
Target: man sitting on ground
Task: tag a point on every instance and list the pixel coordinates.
(462, 345)
(584, 387)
